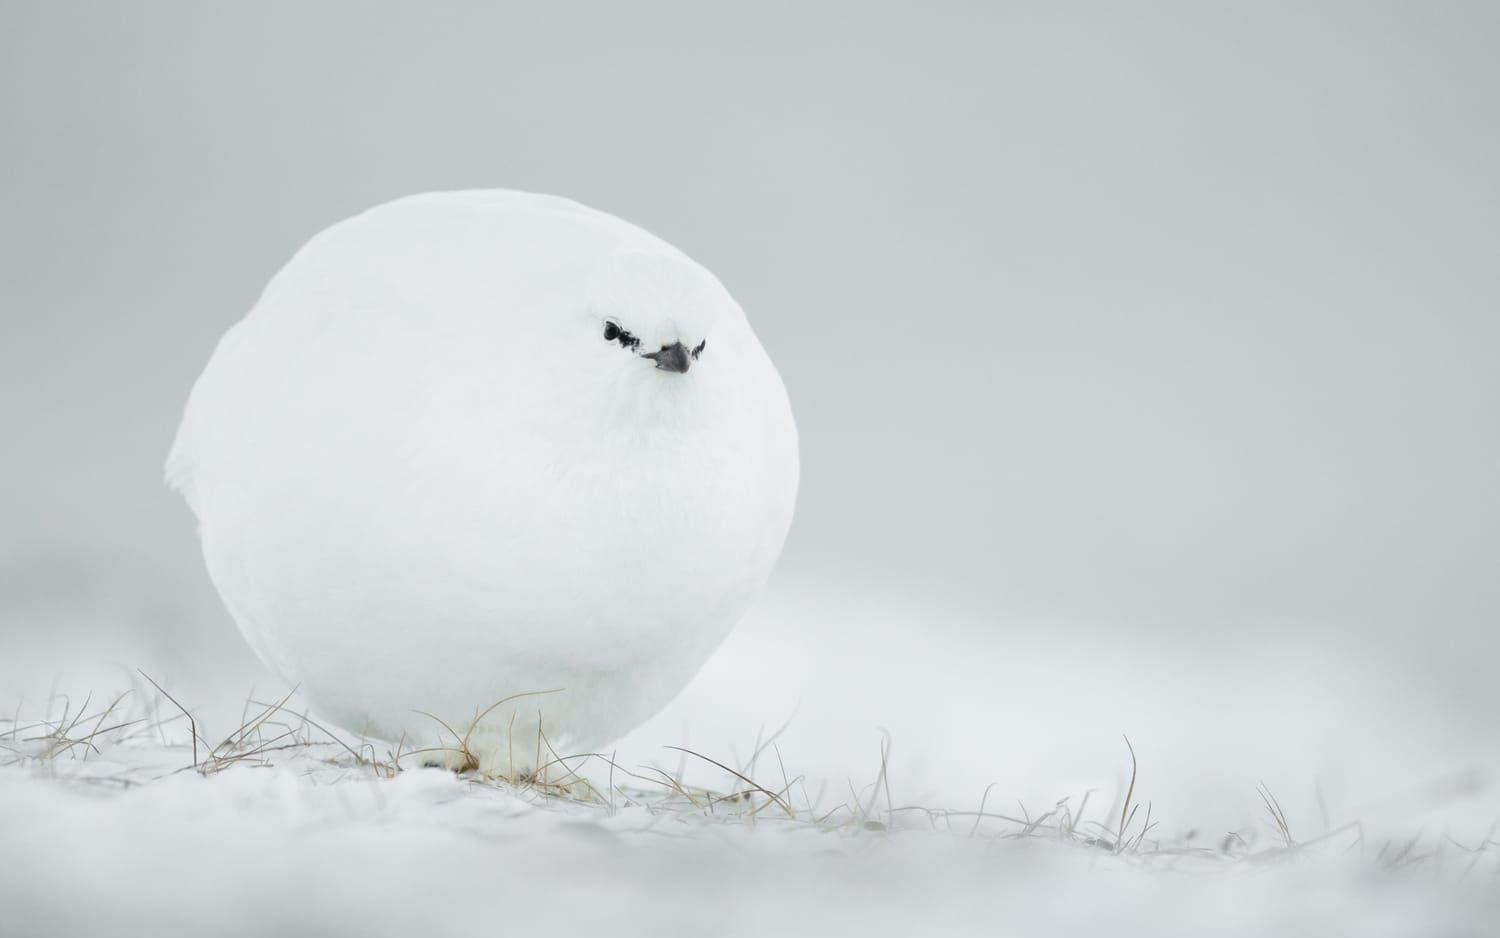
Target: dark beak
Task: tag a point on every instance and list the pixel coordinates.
(671, 358)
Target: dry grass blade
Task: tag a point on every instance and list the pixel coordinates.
(89, 739)
(237, 738)
(561, 784)
(754, 785)
(470, 763)
(979, 815)
(1278, 816)
(674, 785)
(658, 795)
(882, 781)
(358, 758)
(192, 723)
(1125, 810)
(478, 717)
(61, 739)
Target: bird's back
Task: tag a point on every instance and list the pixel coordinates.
(434, 274)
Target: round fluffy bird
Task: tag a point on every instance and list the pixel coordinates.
(472, 445)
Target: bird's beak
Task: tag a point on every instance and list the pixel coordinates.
(671, 358)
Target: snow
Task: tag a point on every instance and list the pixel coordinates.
(303, 840)
(283, 850)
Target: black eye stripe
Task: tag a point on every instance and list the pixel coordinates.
(613, 333)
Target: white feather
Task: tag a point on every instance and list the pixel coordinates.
(426, 481)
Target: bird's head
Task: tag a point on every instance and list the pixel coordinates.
(657, 319)
(675, 357)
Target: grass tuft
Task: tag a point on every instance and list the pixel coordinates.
(125, 743)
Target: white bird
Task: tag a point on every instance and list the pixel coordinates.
(469, 445)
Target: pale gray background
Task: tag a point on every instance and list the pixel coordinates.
(1175, 318)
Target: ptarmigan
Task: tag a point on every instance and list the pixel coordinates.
(469, 445)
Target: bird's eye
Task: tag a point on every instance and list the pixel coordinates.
(613, 333)
(699, 350)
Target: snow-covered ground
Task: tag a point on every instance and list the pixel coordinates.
(1389, 802)
(295, 850)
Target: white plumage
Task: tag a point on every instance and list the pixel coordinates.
(431, 470)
